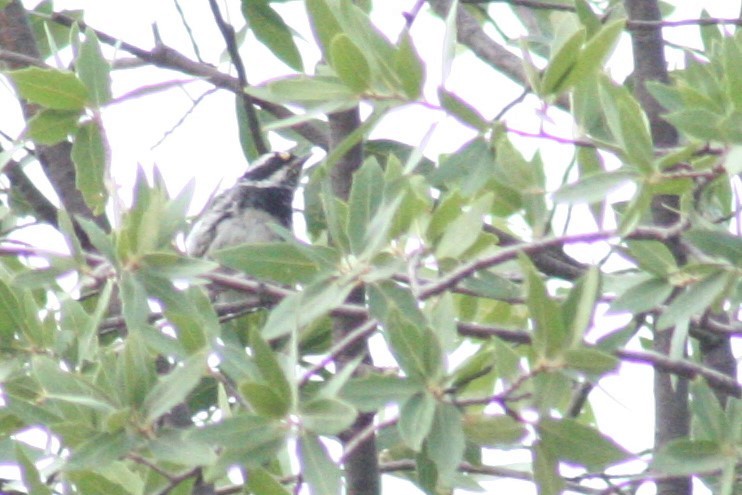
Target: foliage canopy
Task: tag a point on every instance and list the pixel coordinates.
(488, 338)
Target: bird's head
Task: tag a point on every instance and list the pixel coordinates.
(278, 169)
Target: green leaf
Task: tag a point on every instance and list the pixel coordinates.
(409, 67)
(321, 473)
(694, 300)
(52, 126)
(261, 482)
(561, 64)
(494, 431)
(711, 421)
(546, 471)
(587, 17)
(245, 431)
(304, 90)
(593, 188)
(593, 54)
(93, 69)
(101, 450)
(174, 266)
(349, 63)
(628, 124)
(717, 243)
(133, 301)
(363, 202)
(269, 367)
(324, 23)
(89, 153)
(172, 389)
(11, 313)
(591, 361)
(298, 310)
(91, 482)
(336, 217)
(731, 54)
(491, 285)
(135, 372)
(327, 416)
(450, 38)
(696, 122)
(264, 400)
(416, 348)
(446, 442)
(416, 419)
(51, 37)
(281, 262)
(643, 296)
(378, 231)
(709, 34)
(461, 110)
(685, 456)
(99, 238)
(50, 88)
(653, 256)
(580, 304)
(29, 472)
(462, 232)
(70, 387)
(387, 300)
(372, 392)
(575, 442)
(550, 336)
(176, 447)
(272, 31)
(247, 139)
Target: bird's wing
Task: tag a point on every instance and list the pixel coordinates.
(216, 210)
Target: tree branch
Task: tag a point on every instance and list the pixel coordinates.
(168, 58)
(234, 54)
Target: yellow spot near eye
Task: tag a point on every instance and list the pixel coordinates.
(284, 155)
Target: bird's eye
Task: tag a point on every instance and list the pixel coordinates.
(284, 155)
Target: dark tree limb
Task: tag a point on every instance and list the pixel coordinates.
(362, 464)
(672, 417)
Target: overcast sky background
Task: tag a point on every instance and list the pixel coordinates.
(205, 146)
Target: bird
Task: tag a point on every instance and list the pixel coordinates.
(246, 212)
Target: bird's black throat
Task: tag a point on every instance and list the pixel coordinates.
(275, 200)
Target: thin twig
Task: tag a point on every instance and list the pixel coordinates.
(412, 14)
(189, 31)
(165, 57)
(531, 4)
(684, 368)
(582, 143)
(364, 435)
(20, 59)
(342, 345)
(509, 106)
(231, 41)
(711, 21)
(183, 117)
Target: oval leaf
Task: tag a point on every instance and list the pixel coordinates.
(349, 63)
(51, 88)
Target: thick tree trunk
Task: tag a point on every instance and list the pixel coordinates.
(362, 465)
(670, 395)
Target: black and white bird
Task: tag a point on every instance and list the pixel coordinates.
(244, 213)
